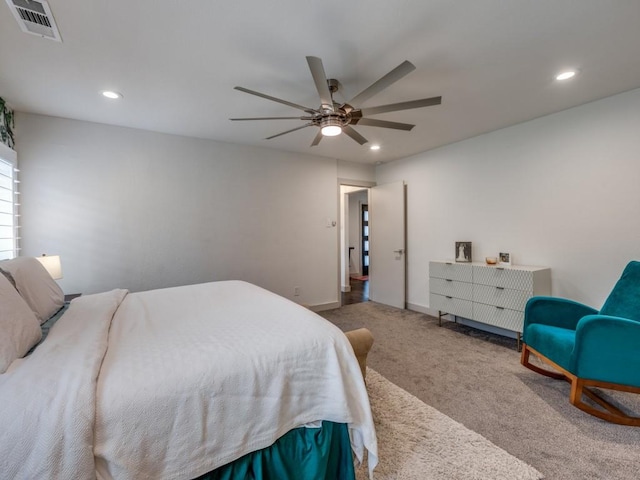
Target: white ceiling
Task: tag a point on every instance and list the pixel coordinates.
(176, 63)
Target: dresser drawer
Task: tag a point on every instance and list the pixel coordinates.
(451, 288)
(452, 305)
(501, 297)
(503, 277)
(451, 271)
(500, 317)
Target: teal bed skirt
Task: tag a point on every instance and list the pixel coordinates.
(301, 454)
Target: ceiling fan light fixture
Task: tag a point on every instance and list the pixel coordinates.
(331, 130)
(331, 126)
(333, 118)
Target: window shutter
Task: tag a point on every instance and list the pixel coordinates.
(8, 210)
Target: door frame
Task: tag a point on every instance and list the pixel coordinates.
(347, 183)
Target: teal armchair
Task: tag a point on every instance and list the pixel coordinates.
(589, 348)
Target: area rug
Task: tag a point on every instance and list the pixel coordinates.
(416, 441)
(362, 278)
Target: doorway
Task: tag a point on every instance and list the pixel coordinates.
(354, 244)
(386, 222)
(359, 292)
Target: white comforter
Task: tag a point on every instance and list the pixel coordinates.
(192, 378)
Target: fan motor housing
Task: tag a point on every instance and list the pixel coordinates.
(332, 119)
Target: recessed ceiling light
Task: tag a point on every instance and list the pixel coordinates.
(112, 95)
(374, 147)
(566, 75)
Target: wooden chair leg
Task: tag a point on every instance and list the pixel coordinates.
(524, 360)
(611, 413)
(581, 387)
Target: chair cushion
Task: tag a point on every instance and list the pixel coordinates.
(624, 299)
(555, 343)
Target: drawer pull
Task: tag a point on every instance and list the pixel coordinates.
(500, 308)
(449, 297)
(500, 288)
(499, 268)
(448, 280)
(448, 263)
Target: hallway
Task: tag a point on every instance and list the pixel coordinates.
(359, 292)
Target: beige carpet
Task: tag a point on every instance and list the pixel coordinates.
(416, 441)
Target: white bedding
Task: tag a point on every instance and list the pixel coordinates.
(47, 400)
(193, 378)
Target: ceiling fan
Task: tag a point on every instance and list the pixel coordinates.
(333, 118)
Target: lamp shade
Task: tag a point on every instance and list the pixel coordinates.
(52, 264)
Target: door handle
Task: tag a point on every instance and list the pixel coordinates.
(400, 252)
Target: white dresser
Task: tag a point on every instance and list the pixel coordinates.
(490, 294)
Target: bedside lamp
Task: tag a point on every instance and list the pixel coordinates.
(52, 264)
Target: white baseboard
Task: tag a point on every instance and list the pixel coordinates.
(414, 307)
(324, 306)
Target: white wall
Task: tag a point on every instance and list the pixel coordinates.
(135, 209)
(352, 173)
(141, 210)
(561, 191)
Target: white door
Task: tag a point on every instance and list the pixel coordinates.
(387, 250)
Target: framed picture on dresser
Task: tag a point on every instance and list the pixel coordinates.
(504, 258)
(463, 252)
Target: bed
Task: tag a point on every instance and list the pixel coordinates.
(179, 383)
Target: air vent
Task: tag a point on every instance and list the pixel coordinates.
(35, 17)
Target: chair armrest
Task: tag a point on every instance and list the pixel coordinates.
(361, 341)
(607, 349)
(556, 312)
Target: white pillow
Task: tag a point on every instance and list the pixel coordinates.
(19, 327)
(39, 290)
